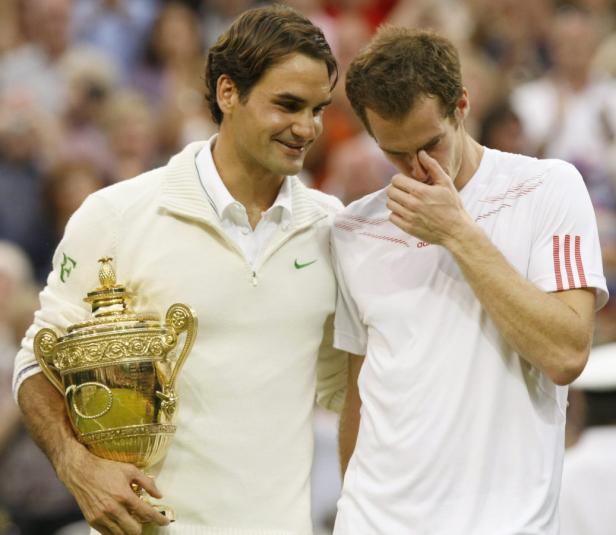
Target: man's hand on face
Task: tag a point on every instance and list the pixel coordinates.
(431, 212)
(103, 491)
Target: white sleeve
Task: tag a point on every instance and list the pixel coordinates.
(350, 333)
(89, 235)
(565, 251)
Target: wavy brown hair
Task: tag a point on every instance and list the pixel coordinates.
(400, 66)
(257, 40)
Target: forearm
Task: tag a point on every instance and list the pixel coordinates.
(347, 436)
(46, 418)
(350, 415)
(541, 328)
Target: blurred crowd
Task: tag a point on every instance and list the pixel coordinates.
(97, 91)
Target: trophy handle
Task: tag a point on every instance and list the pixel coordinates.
(45, 343)
(181, 318)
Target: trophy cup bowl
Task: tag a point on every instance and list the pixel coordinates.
(117, 372)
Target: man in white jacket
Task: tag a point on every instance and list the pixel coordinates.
(226, 227)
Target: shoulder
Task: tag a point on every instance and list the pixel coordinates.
(369, 210)
(523, 167)
(329, 203)
(140, 190)
(371, 205)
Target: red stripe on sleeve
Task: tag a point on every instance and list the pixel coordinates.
(570, 278)
(578, 261)
(556, 254)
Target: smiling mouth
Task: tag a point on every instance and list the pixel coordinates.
(295, 148)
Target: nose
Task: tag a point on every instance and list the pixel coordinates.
(416, 169)
(306, 126)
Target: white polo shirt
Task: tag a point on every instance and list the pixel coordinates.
(458, 434)
(232, 214)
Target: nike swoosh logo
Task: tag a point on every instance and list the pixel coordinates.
(300, 266)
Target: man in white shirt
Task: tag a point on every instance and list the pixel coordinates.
(467, 293)
(227, 228)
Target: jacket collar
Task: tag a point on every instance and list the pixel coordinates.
(182, 193)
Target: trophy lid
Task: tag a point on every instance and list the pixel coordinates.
(110, 298)
(111, 309)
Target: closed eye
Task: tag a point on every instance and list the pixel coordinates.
(432, 144)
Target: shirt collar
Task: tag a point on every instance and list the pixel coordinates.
(218, 194)
(182, 194)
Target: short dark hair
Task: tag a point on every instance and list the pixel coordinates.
(398, 67)
(257, 40)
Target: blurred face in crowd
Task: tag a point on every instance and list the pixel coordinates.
(228, 8)
(177, 33)
(67, 188)
(573, 42)
(48, 22)
(18, 134)
(275, 125)
(423, 128)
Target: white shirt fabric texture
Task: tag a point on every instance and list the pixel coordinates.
(458, 434)
(239, 463)
(232, 214)
(588, 493)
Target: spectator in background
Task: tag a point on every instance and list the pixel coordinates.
(132, 132)
(501, 129)
(449, 17)
(67, 184)
(10, 34)
(589, 471)
(513, 35)
(92, 80)
(483, 79)
(116, 27)
(32, 69)
(374, 12)
(355, 168)
(36, 502)
(216, 16)
(567, 113)
(170, 74)
(23, 218)
(341, 124)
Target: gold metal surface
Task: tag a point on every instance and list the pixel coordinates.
(117, 372)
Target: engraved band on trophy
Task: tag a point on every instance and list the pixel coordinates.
(117, 372)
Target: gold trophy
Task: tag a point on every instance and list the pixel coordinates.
(117, 372)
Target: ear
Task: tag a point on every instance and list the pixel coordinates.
(463, 106)
(226, 93)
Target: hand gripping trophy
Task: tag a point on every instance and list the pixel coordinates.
(117, 372)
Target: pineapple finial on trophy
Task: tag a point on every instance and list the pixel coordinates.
(110, 298)
(106, 275)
